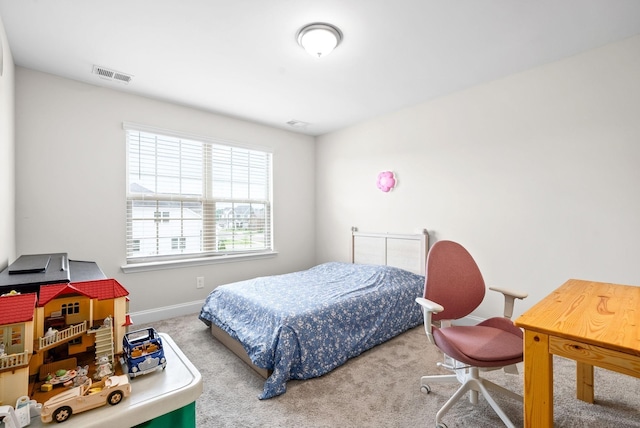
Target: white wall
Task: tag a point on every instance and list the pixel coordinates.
(7, 155)
(70, 184)
(536, 174)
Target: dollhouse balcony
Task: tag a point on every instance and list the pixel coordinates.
(59, 337)
(13, 361)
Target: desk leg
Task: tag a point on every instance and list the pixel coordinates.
(584, 382)
(538, 381)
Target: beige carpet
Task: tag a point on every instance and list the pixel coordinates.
(380, 388)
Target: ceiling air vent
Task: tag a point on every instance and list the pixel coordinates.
(297, 124)
(108, 74)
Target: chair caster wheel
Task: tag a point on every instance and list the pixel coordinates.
(441, 425)
(426, 389)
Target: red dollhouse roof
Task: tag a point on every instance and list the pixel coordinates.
(50, 292)
(17, 308)
(100, 289)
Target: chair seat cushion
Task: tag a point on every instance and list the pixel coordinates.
(479, 343)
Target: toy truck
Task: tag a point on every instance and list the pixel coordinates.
(142, 352)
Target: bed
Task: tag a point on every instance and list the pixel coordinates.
(304, 324)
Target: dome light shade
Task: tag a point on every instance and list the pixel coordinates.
(319, 39)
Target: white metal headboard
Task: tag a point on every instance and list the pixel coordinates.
(408, 252)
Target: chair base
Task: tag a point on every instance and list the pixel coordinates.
(474, 384)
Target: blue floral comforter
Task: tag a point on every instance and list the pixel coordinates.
(304, 324)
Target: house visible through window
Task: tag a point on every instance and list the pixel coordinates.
(191, 197)
(178, 243)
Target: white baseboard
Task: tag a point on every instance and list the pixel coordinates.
(143, 318)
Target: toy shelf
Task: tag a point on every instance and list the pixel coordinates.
(156, 398)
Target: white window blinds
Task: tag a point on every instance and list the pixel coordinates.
(189, 198)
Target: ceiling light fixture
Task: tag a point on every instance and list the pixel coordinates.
(319, 39)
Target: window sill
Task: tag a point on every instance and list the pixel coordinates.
(171, 264)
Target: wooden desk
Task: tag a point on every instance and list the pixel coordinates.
(593, 323)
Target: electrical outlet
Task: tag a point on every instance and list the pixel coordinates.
(200, 282)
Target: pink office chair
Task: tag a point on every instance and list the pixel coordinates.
(453, 289)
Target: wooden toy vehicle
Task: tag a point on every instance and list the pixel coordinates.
(142, 352)
(89, 395)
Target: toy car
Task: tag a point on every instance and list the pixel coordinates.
(89, 395)
(142, 352)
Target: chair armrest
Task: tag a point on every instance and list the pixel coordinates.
(509, 298)
(428, 308)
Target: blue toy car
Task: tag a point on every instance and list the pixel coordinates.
(142, 352)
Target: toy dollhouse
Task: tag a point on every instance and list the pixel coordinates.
(42, 331)
(17, 316)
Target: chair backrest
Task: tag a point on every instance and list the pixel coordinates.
(453, 280)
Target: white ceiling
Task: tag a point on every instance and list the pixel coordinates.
(240, 57)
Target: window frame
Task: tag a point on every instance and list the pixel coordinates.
(142, 263)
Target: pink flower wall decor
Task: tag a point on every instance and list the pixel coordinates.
(386, 181)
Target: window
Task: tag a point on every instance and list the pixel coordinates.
(178, 243)
(16, 335)
(70, 308)
(191, 197)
